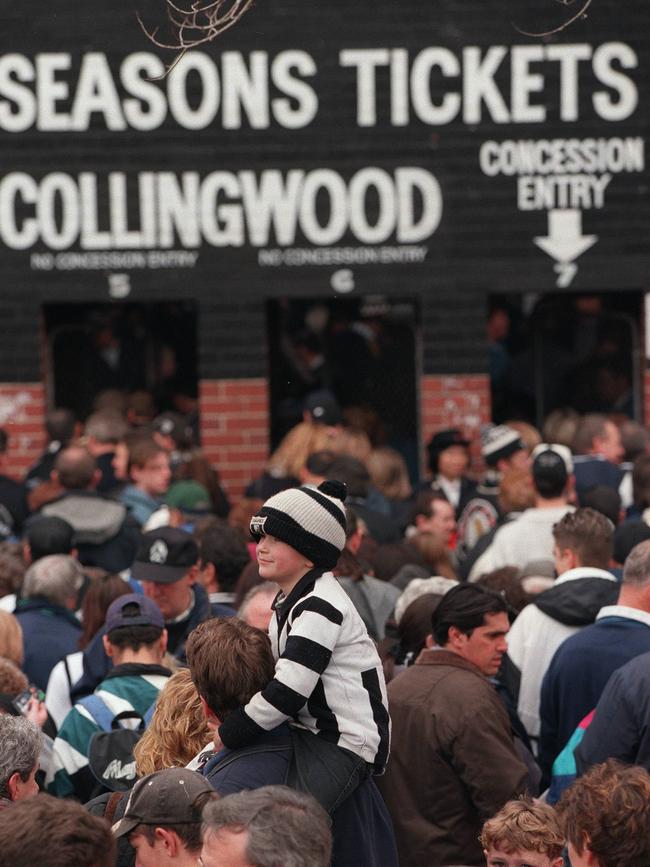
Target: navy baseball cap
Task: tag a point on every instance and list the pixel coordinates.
(142, 611)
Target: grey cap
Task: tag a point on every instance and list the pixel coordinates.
(166, 797)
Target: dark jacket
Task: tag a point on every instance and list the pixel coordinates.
(361, 826)
(105, 536)
(50, 633)
(96, 664)
(480, 513)
(593, 470)
(382, 528)
(453, 761)
(467, 491)
(98, 807)
(577, 603)
(13, 498)
(621, 726)
(578, 673)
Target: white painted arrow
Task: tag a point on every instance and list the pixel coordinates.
(565, 241)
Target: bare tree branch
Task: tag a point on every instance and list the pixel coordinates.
(582, 11)
(202, 22)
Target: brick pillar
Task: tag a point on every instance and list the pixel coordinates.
(22, 415)
(235, 428)
(461, 401)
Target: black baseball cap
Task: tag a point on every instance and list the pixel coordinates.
(167, 797)
(172, 424)
(164, 556)
(323, 407)
(142, 611)
(552, 462)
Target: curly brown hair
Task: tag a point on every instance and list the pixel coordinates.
(178, 728)
(606, 811)
(524, 826)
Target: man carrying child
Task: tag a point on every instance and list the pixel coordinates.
(328, 676)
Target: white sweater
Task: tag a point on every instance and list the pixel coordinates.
(527, 539)
(328, 675)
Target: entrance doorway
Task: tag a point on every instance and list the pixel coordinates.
(125, 346)
(579, 351)
(364, 350)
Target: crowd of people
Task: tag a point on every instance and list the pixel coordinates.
(338, 667)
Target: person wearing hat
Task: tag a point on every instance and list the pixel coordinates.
(162, 822)
(502, 449)
(529, 537)
(328, 675)
(164, 564)
(135, 640)
(448, 457)
(321, 407)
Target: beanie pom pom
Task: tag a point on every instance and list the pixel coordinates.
(334, 489)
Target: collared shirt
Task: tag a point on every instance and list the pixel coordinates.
(185, 614)
(624, 611)
(450, 488)
(584, 572)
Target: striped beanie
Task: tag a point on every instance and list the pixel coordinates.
(311, 520)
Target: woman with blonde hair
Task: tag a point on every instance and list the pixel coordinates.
(178, 729)
(11, 638)
(285, 465)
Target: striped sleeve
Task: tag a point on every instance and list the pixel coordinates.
(70, 755)
(315, 630)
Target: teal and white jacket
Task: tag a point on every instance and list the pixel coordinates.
(128, 687)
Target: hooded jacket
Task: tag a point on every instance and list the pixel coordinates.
(572, 603)
(103, 534)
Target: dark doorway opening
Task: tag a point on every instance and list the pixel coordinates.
(364, 350)
(577, 350)
(125, 346)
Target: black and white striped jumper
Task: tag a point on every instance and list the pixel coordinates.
(328, 676)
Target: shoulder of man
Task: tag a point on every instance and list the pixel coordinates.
(262, 764)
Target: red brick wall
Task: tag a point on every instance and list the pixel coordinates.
(235, 420)
(461, 401)
(235, 428)
(22, 411)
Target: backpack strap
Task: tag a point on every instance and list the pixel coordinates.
(99, 711)
(149, 714)
(67, 673)
(111, 806)
(279, 746)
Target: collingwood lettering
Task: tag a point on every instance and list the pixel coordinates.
(223, 209)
